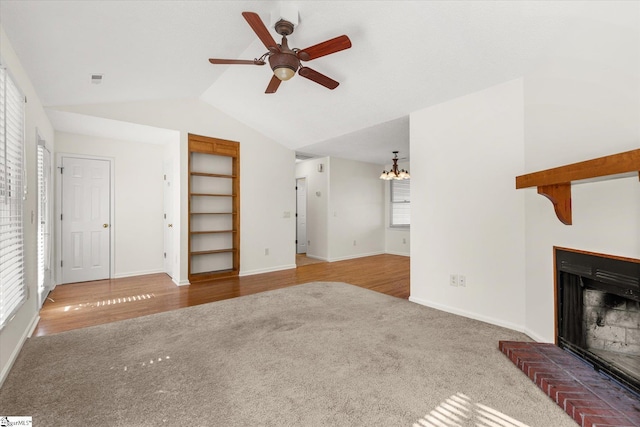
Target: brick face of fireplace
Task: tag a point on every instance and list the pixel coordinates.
(598, 312)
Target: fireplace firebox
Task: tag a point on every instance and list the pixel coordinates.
(598, 312)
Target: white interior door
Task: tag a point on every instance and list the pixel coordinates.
(86, 199)
(168, 221)
(301, 216)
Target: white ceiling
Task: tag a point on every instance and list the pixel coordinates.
(406, 55)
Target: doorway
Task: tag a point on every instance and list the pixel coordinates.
(85, 219)
(301, 216)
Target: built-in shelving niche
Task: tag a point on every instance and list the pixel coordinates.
(214, 208)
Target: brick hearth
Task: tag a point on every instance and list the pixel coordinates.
(589, 398)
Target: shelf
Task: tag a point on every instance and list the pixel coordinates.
(213, 213)
(555, 183)
(213, 232)
(213, 251)
(212, 195)
(211, 175)
(220, 274)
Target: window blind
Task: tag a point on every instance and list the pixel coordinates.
(12, 284)
(400, 203)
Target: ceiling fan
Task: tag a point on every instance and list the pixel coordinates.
(285, 61)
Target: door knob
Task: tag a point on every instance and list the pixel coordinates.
(170, 225)
(105, 225)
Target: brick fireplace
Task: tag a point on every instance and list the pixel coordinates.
(593, 369)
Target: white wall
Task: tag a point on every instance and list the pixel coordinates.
(398, 239)
(356, 210)
(583, 103)
(467, 217)
(317, 205)
(267, 177)
(15, 332)
(138, 199)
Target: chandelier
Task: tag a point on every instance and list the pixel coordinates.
(394, 173)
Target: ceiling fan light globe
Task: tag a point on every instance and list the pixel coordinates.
(284, 73)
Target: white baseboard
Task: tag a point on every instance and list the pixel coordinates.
(471, 315)
(16, 351)
(344, 258)
(534, 336)
(136, 273)
(33, 325)
(398, 253)
(266, 270)
(184, 282)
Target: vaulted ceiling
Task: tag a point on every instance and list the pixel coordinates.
(406, 55)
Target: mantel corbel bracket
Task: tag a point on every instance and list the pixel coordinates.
(555, 184)
(560, 196)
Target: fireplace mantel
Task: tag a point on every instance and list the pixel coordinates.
(555, 183)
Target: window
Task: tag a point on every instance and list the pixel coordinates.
(12, 284)
(400, 203)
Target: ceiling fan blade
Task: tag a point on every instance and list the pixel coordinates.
(317, 77)
(325, 48)
(261, 31)
(273, 85)
(236, 61)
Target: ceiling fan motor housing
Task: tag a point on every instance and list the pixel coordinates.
(284, 59)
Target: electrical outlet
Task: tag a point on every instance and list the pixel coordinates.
(404, 240)
(453, 280)
(266, 251)
(462, 280)
(354, 243)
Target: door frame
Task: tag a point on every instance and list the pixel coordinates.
(306, 208)
(168, 207)
(58, 210)
(49, 281)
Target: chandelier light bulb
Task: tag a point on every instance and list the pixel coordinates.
(394, 173)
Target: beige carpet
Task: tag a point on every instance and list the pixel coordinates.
(309, 355)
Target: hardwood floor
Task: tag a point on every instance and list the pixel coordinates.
(78, 305)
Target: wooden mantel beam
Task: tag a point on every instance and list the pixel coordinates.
(555, 183)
